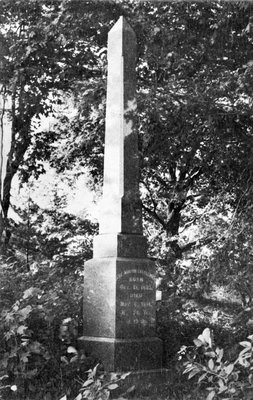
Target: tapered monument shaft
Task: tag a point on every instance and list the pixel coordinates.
(121, 210)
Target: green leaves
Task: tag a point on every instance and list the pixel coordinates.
(99, 385)
(71, 349)
(24, 312)
(30, 327)
(32, 291)
(211, 395)
(245, 356)
(21, 329)
(205, 338)
(222, 379)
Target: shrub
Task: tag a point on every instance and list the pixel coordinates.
(223, 379)
(37, 329)
(99, 385)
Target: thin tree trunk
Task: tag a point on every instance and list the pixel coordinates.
(2, 111)
(20, 125)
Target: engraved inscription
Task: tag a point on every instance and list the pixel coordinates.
(136, 291)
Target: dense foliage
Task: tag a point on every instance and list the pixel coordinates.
(194, 95)
(222, 377)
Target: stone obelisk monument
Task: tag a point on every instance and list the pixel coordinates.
(119, 282)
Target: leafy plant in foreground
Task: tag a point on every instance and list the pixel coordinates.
(222, 378)
(37, 331)
(99, 385)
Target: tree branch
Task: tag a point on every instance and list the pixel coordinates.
(198, 243)
(154, 214)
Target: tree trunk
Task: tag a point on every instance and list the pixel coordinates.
(172, 227)
(20, 140)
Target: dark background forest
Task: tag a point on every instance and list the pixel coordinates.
(195, 128)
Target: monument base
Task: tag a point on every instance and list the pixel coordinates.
(124, 354)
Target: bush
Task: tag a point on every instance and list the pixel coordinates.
(38, 326)
(223, 379)
(99, 385)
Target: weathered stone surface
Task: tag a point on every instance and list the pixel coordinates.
(99, 318)
(120, 313)
(120, 245)
(135, 298)
(119, 298)
(125, 354)
(121, 207)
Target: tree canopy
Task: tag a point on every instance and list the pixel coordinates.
(194, 92)
(194, 95)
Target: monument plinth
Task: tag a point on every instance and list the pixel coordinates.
(119, 282)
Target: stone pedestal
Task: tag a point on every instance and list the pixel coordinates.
(119, 305)
(125, 354)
